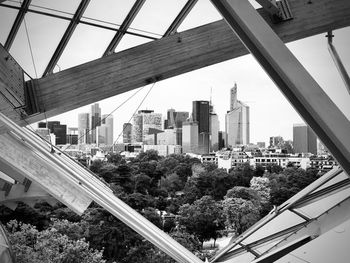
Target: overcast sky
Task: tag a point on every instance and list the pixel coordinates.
(270, 113)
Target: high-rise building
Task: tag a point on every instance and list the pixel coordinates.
(304, 139)
(214, 132)
(237, 121)
(72, 136)
(58, 129)
(190, 137)
(200, 114)
(222, 136)
(105, 131)
(83, 128)
(127, 132)
(175, 119)
(95, 121)
(276, 141)
(142, 122)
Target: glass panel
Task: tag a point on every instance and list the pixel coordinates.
(69, 6)
(285, 220)
(152, 18)
(245, 257)
(319, 207)
(202, 13)
(129, 41)
(87, 43)
(13, 3)
(268, 245)
(110, 11)
(7, 17)
(340, 177)
(43, 40)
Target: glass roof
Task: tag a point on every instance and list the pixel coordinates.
(7, 17)
(98, 21)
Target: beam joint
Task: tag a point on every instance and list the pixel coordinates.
(124, 26)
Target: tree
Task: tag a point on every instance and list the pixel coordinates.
(115, 158)
(242, 175)
(245, 193)
(172, 183)
(240, 214)
(147, 156)
(142, 183)
(262, 187)
(204, 218)
(289, 182)
(96, 166)
(33, 246)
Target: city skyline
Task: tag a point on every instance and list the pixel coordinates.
(270, 113)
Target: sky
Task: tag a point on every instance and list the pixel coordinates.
(270, 113)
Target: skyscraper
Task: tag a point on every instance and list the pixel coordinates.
(214, 132)
(190, 137)
(142, 122)
(237, 121)
(105, 131)
(304, 139)
(83, 128)
(127, 132)
(200, 114)
(175, 119)
(58, 129)
(95, 121)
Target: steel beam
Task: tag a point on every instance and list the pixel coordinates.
(180, 17)
(298, 86)
(337, 61)
(67, 35)
(124, 26)
(16, 25)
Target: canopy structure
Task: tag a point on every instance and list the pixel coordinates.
(32, 170)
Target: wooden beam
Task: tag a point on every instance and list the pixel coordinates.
(174, 55)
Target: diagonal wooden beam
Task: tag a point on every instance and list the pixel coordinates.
(173, 55)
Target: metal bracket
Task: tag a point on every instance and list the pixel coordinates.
(31, 106)
(279, 10)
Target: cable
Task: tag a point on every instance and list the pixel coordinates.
(36, 75)
(90, 18)
(30, 47)
(133, 115)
